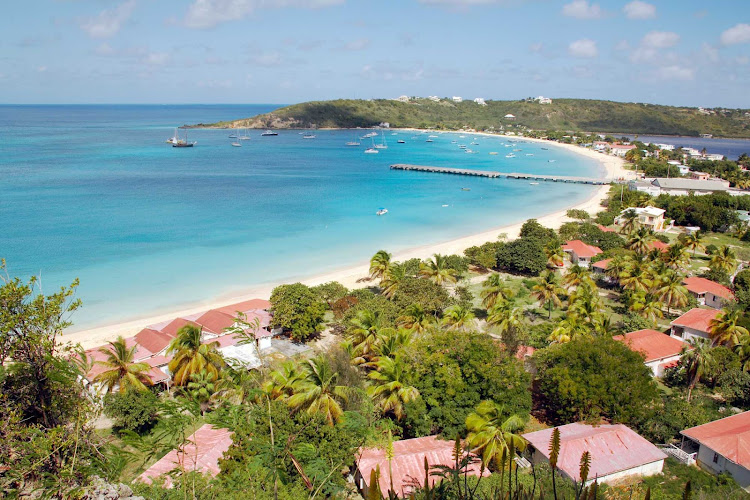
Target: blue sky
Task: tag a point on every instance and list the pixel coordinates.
(680, 52)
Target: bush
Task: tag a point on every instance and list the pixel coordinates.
(632, 322)
(531, 229)
(711, 249)
(575, 213)
(298, 310)
(331, 292)
(522, 256)
(426, 293)
(483, 256)
(133, 410)
(661, 237)
(734, 386)
(457, 263)
(605, 218)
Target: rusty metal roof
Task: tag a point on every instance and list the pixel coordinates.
(654, 345)
(729, 437)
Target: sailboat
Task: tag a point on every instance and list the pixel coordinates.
(382, 145)
(243, 135)
(182, 143)
(372, 150)
(354, 141)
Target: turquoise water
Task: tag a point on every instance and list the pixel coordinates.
(94, 192)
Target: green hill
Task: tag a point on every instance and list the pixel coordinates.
(563, 114)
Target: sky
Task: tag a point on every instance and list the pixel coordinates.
(676, 52)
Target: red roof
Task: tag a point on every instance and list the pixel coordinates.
(581, 249)
(605, 228)
(524, 351)
(729, 437)
(658, 245)
(408, 463)
(245, 306)
(702, 285)
(697, 319)
(176, 324)
(157, 375)
(602, 264)
(613, 448)
(215, 321)
(202, 453)
(654, 345)
(153, 340)
(622, 146)
(157, 361)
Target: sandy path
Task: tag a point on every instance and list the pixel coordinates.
(348, 277)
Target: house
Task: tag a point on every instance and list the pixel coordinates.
(434, 98)
(407, 464)
(510, 117)
(456, 98)
(644, 187)
(580, 252)
(403, 98)
(680, 187)
(723, 446)
(617, 452)
(700, 176)
(202, 453)
(684, 169)
(707, 292)
(600, 266)
(480, 101)
(664, 147)
(650, 217)
(620, 149)
(659, 349)
(543, 100)
(713, 157)
(696, 323)
(601, 145)
(658, 245)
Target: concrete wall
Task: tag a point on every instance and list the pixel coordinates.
(689, 333)
(714, 301)
(740, 474)
(654, 365)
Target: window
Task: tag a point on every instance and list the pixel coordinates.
(716, 458)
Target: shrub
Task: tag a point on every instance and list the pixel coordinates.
(605, 218)
(523, 256)
(575, 213)
(734, 386)
(632, 322)
(711, 249)
(133, 410)
(297, 309)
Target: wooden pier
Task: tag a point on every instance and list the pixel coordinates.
(493, 174)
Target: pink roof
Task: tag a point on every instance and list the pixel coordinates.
(703, 285)
(729, 437)
(215, 321)
(157, 375)
(202, 453)
(97, 356)
(247, 305)
(605, 228)
(581, 249)
(658, 245)
(622, 146)
(524, 351)
(613, 448)
(408, 463)
(654, 345)
(176, 324)
(157, 361)
(697, 319)
(602, 264)
(153, 340)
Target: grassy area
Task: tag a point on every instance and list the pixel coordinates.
(671, 484)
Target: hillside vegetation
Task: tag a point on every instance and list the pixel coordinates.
(562, 114)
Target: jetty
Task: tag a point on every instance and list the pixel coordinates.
(494, 174)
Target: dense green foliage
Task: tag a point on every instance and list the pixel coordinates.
(562, 114)
(522, 256)
(132, 410)
(297, 309)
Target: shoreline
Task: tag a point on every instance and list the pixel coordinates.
(349, 276)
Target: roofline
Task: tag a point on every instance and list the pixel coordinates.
(718, 453)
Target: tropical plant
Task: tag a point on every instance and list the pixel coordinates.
(696, 360)
(437, 270)
(676, 256)
(494, 290)
(724, 328)
(121, 370)
(366, 331)
(458, 317)
(636, 276)
(380, 263)
(640, 240)
(393, 278)
(280, 382)
(742, 348)
(672, 292)
(415, 319)
(492, 432)
(629, 221)
(555, 254)
(724, 259)
(316, 391)
(202, 387)
(191, 355)
(577, 276)
(505, 316)
(693, 241)
(547, 291)
(391, 389)
(646, 305)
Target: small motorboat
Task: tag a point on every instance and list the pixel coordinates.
(465, 189)
(371, 151)
(551, 161)
(401, 141)
(510, 155)
(462, 146)
(453, 142)
(268, 133)
(529, 154)
(236, 145)
(534, 183)
(429, 140)
(233, 136)
(381, 211)
(545, 149)
(309, 136)
(445, 206)
(493, 152)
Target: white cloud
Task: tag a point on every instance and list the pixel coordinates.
(622, 45)
(660, 39)
(675, 73)
(268, 59)
(736, 34)
(639, 10)
(109, 21)
(710, 52)
(209, 13)
(156, 58)
(466, 2)
(584, 48)
(581, 9)
(360, 44)
(536, 47)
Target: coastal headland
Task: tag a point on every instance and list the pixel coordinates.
(351, 276)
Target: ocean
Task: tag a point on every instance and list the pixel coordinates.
(94, 192)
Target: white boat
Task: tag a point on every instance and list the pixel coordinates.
(469, 151)
(529, 154)
(474, 144)
(493, 152)
(269, 133)
(534, 183)
(244, 136)
(465, 189)
(371, 151)
(432, 136)
(453, 142)
(370, 134)
(462, 146)
(401, 141)
(233, 136)
(181, 143)
(429, 140)
(236, 145)
(445, 206)
(518, 150)
(309, 135)
(510, 155)
(551, 161)
(383, 144)
(461, 136)
(381, 211)
(395, 133)
(354, 141)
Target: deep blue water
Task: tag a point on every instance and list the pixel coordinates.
(95, 192)
(731, 148)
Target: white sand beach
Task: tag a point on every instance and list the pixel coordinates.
(349, 276)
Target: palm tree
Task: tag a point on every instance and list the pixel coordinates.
(281, 381)
(693, 241)
(458, 317)
(640, 240)
(724, 328)
(415, 319)
(548, 292)
(696, 360)
(392, 279)
(366, 331)
(316, 391)
(192, 356)
(555, 254)
(505, 316)
(616, 266)
(647, 306)
(723, 259)
(492, 434)
(585, 305)
(676, 256)
(577, 276)
(636, 277)
(392, 390)
(672, 292)
(629, 221)
(437, 270)
(571, 328)
(494, 290)
(742, 348)
(390, 344)
(121, 370)
(379, 264)
(202, 387)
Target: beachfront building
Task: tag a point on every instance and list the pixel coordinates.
(649, 217)
(201, 454)
(617, 452)
(580, 253)
(480, 101)
(620, 149)
(696, 323)
(510, 117)
(722, 446)
(708, 293)
(457, 98)
(407, 465)
(434, 98)
(660, 351)
(681, 187)
(700, 176)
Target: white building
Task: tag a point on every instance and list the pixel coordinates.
(403, 98)
(457, 98)
(434, 98)
(543, 100)
(650, 217)
(510, 117)
(708, 293)
(480, 101)
(696, 323)
(620, 149)
(660, 351)
(714, 157)
(664, 147)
